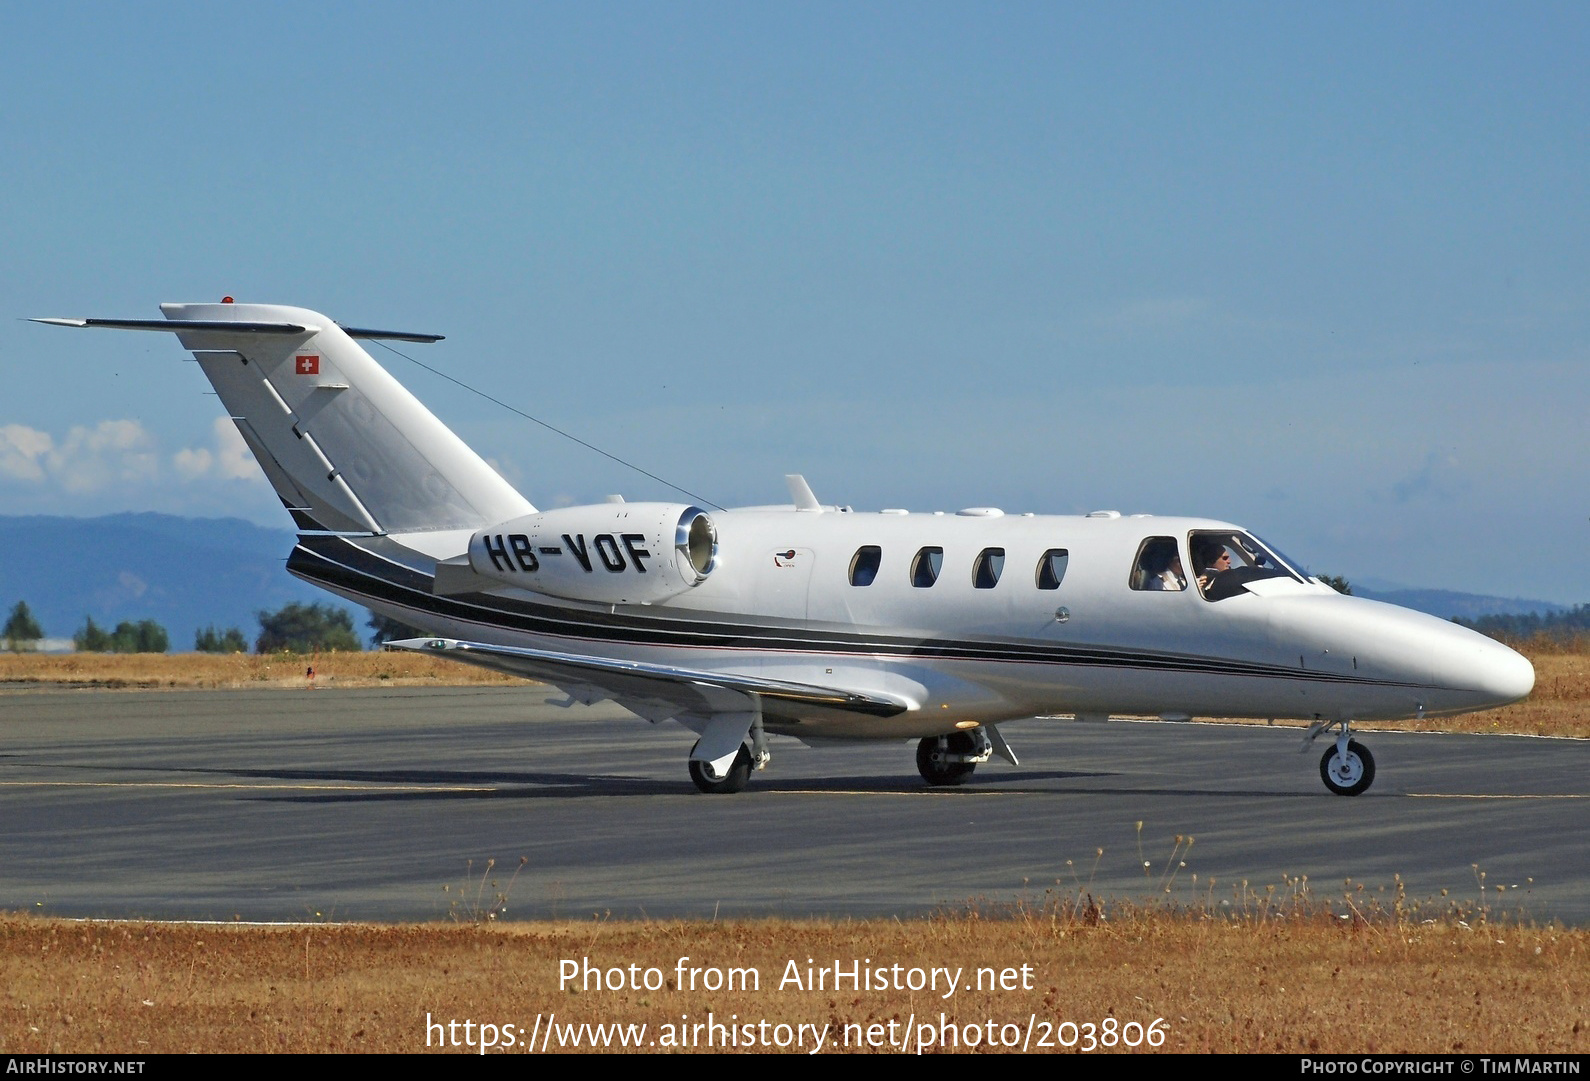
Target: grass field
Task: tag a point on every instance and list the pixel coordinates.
(212, 671)
(1560, 705)
(1270, 981)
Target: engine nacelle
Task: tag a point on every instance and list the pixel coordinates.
(611, 553)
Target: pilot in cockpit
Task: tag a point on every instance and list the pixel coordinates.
(1212, 560)
(1161, 566)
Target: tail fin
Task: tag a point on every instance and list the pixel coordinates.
(346, 447)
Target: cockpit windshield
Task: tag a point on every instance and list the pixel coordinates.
(1224, 562)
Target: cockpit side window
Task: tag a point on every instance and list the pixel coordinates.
(1225, 562)
(1158, 567)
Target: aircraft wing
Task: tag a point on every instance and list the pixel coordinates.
(654, 691)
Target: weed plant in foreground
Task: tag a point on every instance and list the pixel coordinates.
(1271, 970)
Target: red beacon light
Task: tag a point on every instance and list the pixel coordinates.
(226, 300)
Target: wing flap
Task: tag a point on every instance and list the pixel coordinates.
(687, 690)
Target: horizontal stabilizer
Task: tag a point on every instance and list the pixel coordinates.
(231, 327)
(689, 689)
(390, 335)
(224, 326)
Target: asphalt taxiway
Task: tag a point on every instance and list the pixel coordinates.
(386, 804)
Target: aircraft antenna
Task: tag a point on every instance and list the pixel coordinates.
(549, 427)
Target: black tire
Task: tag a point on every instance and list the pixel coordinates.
(1350, 778)
(945, 773)
(737, 777)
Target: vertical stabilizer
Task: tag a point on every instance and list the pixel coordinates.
(346, 447)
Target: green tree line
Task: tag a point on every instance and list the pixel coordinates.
(145, 636)
(21, 631)
(294, 628)
(1571, 623)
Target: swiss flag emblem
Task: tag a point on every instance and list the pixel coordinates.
(308, 364)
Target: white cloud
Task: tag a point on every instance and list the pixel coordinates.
(228, 457)
(23, 451)
(1441, 477)
(192, 462)
(117, 454)
(233, 459)
(112, 452)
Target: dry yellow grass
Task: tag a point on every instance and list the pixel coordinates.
(212, 671)
(1306, 982)
(1560, 705)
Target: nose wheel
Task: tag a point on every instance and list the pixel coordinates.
(1349, 770)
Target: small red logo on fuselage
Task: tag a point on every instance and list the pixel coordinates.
(308, 364)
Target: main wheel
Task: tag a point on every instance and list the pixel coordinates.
(936, 772)
(732, 781)
(1350, 776)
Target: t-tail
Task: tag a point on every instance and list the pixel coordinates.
(346, 447)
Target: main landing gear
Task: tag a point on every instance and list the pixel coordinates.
(1347, 768)
(733, 779)
(721, 729)
(946, 760)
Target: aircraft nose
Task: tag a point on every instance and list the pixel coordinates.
(1463, 669)
(1481, 670)
(1504, 675)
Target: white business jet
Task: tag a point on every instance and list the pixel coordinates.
(806, 620)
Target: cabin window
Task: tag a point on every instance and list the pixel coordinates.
(1158, 567)
(1225, 562)
(986, 571)
(864, 565)
(925, 567)
(1052, 568)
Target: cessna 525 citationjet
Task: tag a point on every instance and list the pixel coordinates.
(806, 620)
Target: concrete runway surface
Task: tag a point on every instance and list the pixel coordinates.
(364, 804)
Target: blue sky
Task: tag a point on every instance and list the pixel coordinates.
(1323, 271)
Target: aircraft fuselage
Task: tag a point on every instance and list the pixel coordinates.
(782, 602)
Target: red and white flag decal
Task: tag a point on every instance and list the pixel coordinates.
(308, 364)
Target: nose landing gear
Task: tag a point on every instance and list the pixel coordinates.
(1347, 768)
(1350, 773)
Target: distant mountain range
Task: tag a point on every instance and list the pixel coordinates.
(188, 573)
(183, 573)
(1447, 604)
